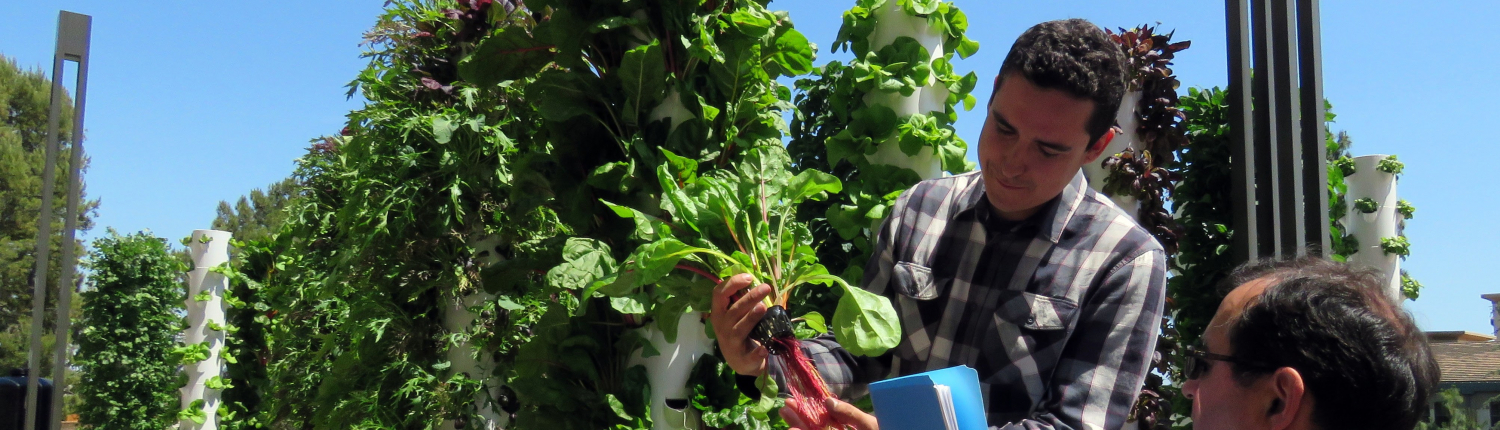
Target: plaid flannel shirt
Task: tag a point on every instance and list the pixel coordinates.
(1058, 313)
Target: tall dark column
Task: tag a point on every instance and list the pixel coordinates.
(1263, 101)
(1314, 128)
(1241, 131)
(1287, 122)
(1276, 128)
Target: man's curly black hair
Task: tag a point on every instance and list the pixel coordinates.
(1076, 57)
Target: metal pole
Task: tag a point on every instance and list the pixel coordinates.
(76, 27)
(1241, 131)
(1289, 183)
(1314, 132)
(43, 240)
(72, 44)
(1268, 205)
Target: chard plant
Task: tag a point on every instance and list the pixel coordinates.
(622, 88)
(742, 220)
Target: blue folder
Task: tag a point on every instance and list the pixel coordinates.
(912, 402)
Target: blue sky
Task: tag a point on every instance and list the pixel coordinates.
(193, 103)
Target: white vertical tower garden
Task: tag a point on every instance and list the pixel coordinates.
(668, 366)
(672, 359)
(1372, 218)
(1137, 173)
(474, 362)
(204, 338)
(896, 20)
(885, 119)
(1096, 173)
(459, 312)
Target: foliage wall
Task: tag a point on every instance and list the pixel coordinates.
(547, 168)
(130, 322)
(493, 135)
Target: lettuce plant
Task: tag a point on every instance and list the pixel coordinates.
(1396, 245)
(1390, 165)
(1405, 209)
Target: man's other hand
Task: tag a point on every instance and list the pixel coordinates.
(843, 413)
(733, 321)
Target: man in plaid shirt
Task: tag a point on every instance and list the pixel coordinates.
(1046, 288)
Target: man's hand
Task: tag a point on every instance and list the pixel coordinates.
(733, 322)
(843, 413)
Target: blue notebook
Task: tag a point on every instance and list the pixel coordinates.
(947, 399)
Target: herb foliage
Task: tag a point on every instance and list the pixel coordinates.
(495, 134)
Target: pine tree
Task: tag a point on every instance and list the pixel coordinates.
(24, 101)
(258, 215)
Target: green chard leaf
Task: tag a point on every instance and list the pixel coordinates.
(647, 227)
(584, 261)
(811, 184)
(508, 55)
(643, 77)
(815, 321)
(865, 323)
(793, 53)
(654, 260)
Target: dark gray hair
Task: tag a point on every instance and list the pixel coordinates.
(1361, 356)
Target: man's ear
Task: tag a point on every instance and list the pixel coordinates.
(1290, 402)
(1096, 148)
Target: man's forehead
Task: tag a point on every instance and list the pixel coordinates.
(1235, 302)
(1247, 292)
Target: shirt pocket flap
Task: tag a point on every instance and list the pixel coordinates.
(914, 281)
(1038, 312)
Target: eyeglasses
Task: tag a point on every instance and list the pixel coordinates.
(1198, 358)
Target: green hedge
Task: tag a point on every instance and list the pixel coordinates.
(130, 320)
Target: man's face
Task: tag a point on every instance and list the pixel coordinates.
(1219, 401)
(1033, 143)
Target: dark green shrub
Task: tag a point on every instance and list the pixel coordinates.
(130, 320)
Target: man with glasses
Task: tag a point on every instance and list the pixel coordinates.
(1309, 344)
